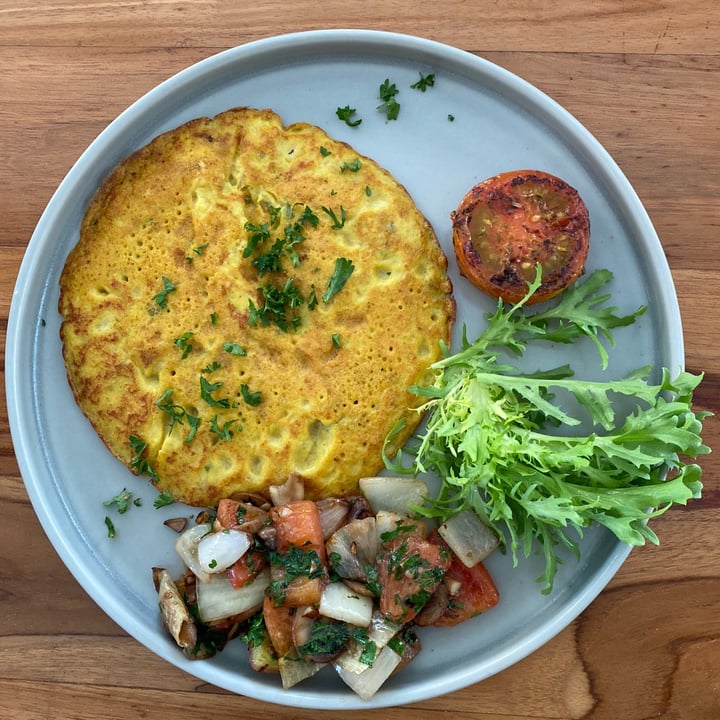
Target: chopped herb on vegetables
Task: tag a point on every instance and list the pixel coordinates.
(504, 449)
(295, 563)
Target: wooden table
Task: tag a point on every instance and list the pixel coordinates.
(643, 77)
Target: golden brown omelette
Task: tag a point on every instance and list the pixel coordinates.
(248, 300)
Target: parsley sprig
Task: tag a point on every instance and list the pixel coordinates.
(347, 115)
(343, 270)
(389, 105)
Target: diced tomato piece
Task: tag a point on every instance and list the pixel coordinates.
(227, 513)
(246, 568)
(471, 591)
(409, 569)
(298, 525)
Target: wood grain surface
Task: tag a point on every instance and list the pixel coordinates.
(644, 77)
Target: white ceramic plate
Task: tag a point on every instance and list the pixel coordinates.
(500, 123)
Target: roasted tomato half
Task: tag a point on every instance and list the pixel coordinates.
(509, 223)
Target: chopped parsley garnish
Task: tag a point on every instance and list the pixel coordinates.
(110, 527)
(277, 306)
(257, 235)
(122, 501)
(183, 342)
(336, 340)
(337, 223)
(353, 166)
(224, 431)
(368, 190)
(425, 82)
(137, 461)
(194, 423)
(390, 106)
(324, 151)
(162, 296)
(163, 500)
(175, 412)
(308, 217)
(211, 367)
(346, 115)
(271, 261)
(343, 270)
(206, 391)
(293, 234)
(251, 398)
(312, 300)
(234, 348)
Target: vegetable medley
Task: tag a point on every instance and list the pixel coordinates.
(340, 582)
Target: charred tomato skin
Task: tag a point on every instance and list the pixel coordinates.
(507, 224)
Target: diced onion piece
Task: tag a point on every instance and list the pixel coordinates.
(380, 632)
(386, 522)
(293, 671)
(333, 514)
(186, 547)
(217, 599)
(395, 494)
(340, 603)
(219, 550)
(353, 547)
(368, 682)
(468, 537)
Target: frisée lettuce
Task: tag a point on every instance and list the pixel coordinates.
(514, 447)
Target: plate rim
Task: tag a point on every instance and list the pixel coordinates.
(19, 424)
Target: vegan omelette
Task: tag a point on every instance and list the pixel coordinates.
(247, 300)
